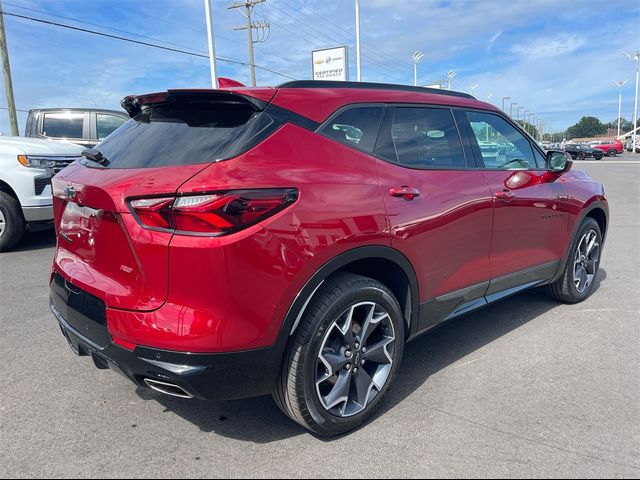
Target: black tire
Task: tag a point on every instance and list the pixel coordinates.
(612, 153)
(297, 391)
(580, 156)
(565, 289)
(14, 225)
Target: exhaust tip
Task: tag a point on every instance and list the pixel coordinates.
(167, 388)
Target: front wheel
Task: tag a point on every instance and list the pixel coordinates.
(579, 275)
(12, 225)
(581, 156)
(343, 357)
(612, 153)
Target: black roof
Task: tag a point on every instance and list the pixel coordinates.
(371, 86)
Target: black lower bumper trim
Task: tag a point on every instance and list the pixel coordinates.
(223, 376)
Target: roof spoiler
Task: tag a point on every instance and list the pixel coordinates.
(133, 104)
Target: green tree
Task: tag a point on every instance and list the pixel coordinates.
(625, 125)
(587, 127)
(528, 127)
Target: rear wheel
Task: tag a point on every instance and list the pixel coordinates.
(343, 357)
(578, 277)
(11, 222)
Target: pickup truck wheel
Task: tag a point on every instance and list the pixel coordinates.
(11, 222)
(581, 270)
(343, 356)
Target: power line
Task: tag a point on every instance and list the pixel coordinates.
(341, 36)
(124, 31)
(138, 42)
(17, 109)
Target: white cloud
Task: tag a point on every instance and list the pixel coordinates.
(550, 47)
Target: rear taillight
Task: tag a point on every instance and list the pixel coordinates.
(212, 213)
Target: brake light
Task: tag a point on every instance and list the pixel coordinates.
(153, 212)
(212, 214)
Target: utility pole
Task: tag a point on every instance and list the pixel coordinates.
(248, 6)
(208, 9)
(359, 77)
(8, 85)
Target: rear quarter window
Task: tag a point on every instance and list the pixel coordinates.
(355, 126)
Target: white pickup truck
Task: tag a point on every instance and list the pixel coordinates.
(26, 168)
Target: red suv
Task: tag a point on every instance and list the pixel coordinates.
(609, 147)
(243, 241)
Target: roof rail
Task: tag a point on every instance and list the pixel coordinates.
(370, 86)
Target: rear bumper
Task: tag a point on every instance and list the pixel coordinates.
(223, 376)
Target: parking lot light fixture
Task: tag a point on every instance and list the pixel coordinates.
(450, 77)
(473, 88)
(511, 108)
(636, 58)
(503, 99)
(619, 84)
(417, 56)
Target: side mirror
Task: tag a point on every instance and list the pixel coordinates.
(558, 162)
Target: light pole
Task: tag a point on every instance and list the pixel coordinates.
(503, 99)
(619, 84)
(450, 77)
(358, 39)
(489, 97)
(636, 58)
(518, 113)
(473, 88)
(511, 108)
(417, 56)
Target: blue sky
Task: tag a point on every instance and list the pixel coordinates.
(556, 58)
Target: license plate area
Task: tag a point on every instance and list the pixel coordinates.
(84, 313)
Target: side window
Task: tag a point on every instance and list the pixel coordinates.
(356, 127)
(62, 125)
(541, 160)
(501, 145)
(106, 124)
(419, 137)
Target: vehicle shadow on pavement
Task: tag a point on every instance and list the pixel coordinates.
(36, 241)
(258, 420)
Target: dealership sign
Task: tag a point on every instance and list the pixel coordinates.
(330, 64)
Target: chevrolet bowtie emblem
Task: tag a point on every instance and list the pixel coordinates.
(70, 192)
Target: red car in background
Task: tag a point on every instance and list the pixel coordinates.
(244, 241)
(610, 147)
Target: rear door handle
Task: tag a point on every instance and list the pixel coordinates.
(405, 192)
(505, 196)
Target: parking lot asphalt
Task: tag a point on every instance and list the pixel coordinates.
(524, 388)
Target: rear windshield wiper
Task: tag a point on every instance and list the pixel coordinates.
(95, 156)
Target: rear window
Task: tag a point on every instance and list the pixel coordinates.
(178, 134)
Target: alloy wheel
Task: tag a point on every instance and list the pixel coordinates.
(3, 224)
(355, 360)
(586, 260)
